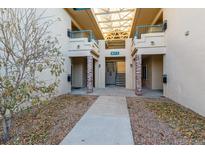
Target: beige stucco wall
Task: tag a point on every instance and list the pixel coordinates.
(157, 72)
(121, 67)
(148, 63)
(133, 74)
(59, 30)
(185, 57)
(79, 72)
(96, 65)
(154, 65)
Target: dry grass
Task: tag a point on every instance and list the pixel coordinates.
(188, 123)
(162, 121)
(49, 123)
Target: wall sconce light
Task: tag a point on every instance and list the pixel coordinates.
(69, 33)
(152, 43)
(69, 78)
(187, 33)
(164, 78)
(99, 65)
(130, 65)
(164, 28)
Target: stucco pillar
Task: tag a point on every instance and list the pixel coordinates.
(89, 74)
(138, 71)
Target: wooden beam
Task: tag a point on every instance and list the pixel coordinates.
(111, 27)
(136, 17)
(73, 20)
(96, 25)
(116, 32)
(110, 21)
(114, 12)
(157, 17)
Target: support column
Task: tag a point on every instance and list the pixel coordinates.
(138, 71)
(89, 74)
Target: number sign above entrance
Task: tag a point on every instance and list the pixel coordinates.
(114, 53)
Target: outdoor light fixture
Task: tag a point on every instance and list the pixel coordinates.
(99, 65)
(187, 33)
(130, 65)
(152, 43)
(164, 25)
(164, 78)
(69, 78)
(69, 33)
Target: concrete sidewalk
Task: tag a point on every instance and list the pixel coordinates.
(118, 91)
(106, 122)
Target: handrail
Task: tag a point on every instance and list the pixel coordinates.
(83, 34)
(143, 29)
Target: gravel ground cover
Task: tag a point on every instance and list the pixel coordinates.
(162, 121)
(49, 123)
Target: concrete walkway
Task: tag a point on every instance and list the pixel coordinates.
(118, 91)
(106, 122)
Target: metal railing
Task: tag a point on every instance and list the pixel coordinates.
(143, 29)
(83, 34)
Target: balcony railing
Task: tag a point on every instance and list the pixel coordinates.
(83, 34)
(143, 29)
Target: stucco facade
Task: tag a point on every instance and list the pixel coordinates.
(185, 57)
(154, 72)
(180, 48)
(122, 53)
(58, 29)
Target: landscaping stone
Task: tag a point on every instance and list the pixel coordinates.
(49, 123)
(162, 121)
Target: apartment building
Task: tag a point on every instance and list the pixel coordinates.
(156, 49)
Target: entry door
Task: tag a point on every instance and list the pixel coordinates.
(110, 73)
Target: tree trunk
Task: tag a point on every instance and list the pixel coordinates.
(6, 127)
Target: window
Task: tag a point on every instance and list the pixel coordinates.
(144, 72)
(115, 44)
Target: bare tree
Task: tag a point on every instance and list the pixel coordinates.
(26, 49)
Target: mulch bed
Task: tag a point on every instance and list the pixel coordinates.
(162, 121)
(49, 123)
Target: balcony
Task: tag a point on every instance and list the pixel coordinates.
(82, 43)
(149, 39)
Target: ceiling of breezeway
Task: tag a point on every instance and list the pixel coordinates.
(115, 23)
(108, 22)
